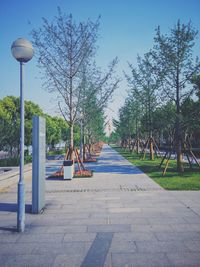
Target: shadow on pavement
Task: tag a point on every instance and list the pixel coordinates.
(9, 229)
(123, 169)
(12, 207)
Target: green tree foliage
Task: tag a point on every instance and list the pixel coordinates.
(56, 128)
(93, 120)
(170, 73)
(114, 137)
(164, 118)
(173, 56)
(126, 124)
(31, 109)
(144, 84)
(196, 83)
(10, 122)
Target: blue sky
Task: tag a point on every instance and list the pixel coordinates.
(127, 28)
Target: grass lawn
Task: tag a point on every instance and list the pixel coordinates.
(189, 180)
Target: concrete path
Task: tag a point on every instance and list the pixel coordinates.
(120, 217)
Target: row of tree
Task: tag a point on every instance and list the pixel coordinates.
(57, 129)
(65, 52)
(163, 99)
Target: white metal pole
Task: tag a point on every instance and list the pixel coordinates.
(21, 185)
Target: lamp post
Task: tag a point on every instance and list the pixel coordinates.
(22, 51)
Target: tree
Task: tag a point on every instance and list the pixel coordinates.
(94, 128)
(10, 122)
(56, 128)
(173, 56)
(31, 109)
(126, 126)
(97, 90)
(196, 83)
(3, 118)
(163, 119)
(64, 129)
(145, 84)
(114, 137)
(63, 47)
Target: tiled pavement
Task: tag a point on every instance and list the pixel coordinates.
(118, 218)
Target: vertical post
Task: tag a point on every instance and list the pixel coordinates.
(22, 51)
(39, 160)
(21, 186)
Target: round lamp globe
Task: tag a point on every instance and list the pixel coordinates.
(22, 50)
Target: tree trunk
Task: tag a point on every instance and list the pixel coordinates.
(178, 134)
(83, 140)
(137, 137)
(72, 141)
(151, 147)
(129, 143)
(137, 146)
(150, 128)
(11, 151)
(178, 142)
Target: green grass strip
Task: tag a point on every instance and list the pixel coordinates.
(189, 180)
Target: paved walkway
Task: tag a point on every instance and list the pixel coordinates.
(120, 217)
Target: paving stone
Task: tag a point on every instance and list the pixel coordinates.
(66, 248)
(90, 221)
(35, 229)
(192, 245)
(184, 259)
(29, 260)
(196, 209)
(72, 260)
(151, 228)
(79, 237)
(177, 236)
(9, 238)
(109, 228)
(140, 260)
(130, 219)
(106, 198)
(99, 215)
(3, 259)
(186, 227)
(123, 220)
(67, 229)
(192, 219)
(113, 205)
(136, 236)
(122, 246)
(164, 220)
(158, 246)
(41, 238)
(48, 222)
(71, 215)
(16, 248)
(124, 210)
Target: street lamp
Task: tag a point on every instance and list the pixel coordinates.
(22, 51)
